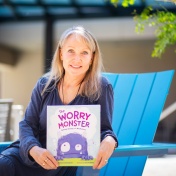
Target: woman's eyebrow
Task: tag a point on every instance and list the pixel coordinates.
(75, 47)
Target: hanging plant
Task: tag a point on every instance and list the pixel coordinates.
(163, 21)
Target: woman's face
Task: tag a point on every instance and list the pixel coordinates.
(76, 56)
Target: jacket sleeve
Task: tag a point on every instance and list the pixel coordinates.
(29, 126)
(107, 105)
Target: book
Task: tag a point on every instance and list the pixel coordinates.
(73, 133)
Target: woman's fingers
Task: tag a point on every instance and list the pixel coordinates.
(48, 164)
(51, 162)
(43, 157)
(102, 157)
(105, 151)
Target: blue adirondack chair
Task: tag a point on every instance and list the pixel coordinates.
(139, 100)
(138, 103)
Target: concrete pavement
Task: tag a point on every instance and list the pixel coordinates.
(162, 166)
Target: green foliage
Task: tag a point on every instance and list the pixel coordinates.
(163, 21)
(125, 3)
(165, 28)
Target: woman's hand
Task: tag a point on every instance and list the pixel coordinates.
(43, 157)
(105, 151)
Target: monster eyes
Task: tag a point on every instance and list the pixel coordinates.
(78, 147)
(65, 147)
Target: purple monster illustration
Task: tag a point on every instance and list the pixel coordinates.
(72, 145)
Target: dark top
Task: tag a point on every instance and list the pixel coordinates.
(32, 130)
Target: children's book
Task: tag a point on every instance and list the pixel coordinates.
(73, 133)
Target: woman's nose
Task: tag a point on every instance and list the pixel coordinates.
(77, 57)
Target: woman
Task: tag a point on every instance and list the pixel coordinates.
(74, 79)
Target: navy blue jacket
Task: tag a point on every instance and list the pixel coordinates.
(32, 128)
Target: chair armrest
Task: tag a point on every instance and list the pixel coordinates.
(143, 150)
(129, 150)
(3, 145)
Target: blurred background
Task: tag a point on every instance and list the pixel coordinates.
(29, 33)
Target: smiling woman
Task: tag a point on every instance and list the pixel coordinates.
(79, 59)
(76, 58)
(76, 54)
(75, 79)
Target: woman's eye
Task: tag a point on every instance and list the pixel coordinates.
(70, 51)
(85, 52)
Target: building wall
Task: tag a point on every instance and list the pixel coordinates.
(18, 81)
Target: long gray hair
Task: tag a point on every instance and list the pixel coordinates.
(91, 86)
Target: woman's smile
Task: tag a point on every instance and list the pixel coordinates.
(75, 66)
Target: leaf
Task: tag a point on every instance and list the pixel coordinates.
(125, 3)
(165, 23)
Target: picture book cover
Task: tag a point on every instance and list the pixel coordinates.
(73, 133)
